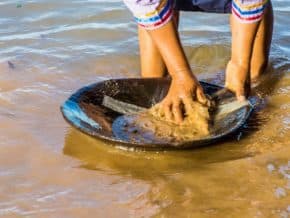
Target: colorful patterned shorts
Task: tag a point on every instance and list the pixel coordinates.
(152, 14)
(215, 6)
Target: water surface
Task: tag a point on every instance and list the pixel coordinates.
(50, 48)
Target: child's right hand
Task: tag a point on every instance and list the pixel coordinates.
(177, 101)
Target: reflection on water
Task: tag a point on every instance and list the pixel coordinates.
(204, 182)
(96, 154)
(47, 169)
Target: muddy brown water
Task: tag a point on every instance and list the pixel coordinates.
(48, 49)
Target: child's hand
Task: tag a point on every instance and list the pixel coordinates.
(178, 98)
(237, 80)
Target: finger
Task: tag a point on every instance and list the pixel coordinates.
(177, 112)
(167, 111)
(241, 98)
(240, 94)
(200, 96)
(187, 105)
(158, 110)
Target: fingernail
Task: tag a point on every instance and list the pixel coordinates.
(241, 98)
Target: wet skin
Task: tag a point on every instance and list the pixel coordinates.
(249, 58)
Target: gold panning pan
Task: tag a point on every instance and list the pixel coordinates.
(103, 109)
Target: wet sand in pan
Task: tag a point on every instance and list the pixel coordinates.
(196, 123)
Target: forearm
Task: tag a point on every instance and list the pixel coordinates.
(245, 23)
(167, 41)
(156, 18)
(243, 35)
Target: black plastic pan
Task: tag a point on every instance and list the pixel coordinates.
(86, 111)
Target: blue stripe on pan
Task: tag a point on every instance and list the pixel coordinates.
(75, 114)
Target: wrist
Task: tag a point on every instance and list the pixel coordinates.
(183, 75)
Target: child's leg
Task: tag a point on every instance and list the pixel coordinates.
(262, 44)
(152, 64)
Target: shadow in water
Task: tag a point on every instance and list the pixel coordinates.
(277, 69)
(103, 156)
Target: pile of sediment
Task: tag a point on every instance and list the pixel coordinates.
(196, 123)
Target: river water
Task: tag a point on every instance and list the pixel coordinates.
(50, 48)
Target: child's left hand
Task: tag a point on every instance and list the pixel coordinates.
(238, 81)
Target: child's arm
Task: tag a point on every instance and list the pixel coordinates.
(245, 22)
(184, 85)
(156, 18)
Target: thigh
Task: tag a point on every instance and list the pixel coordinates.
(212, 6)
